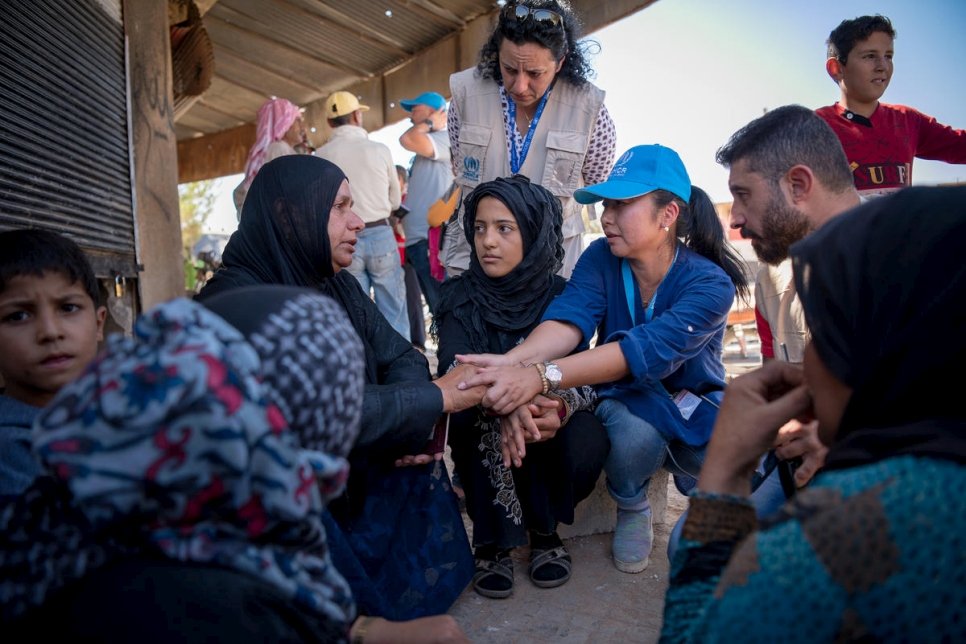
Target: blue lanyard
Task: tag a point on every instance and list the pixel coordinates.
(629, 289)
(517, 157)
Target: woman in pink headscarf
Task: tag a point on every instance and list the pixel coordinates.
(280, 131)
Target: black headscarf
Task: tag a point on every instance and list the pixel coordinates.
(515, 301)
(283, 238)
(884, 293)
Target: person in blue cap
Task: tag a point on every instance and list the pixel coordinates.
(431, 175)
(656, 291)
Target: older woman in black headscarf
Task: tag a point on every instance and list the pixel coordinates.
(513, 229)
(873, 549)
(298, 228)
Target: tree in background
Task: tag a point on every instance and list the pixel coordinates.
(197, 203)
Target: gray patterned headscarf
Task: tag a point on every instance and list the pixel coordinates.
(307, 379)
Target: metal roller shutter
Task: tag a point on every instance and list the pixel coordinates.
(65, 160)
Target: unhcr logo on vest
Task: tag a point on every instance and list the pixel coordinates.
(620, 169)
(471, 169)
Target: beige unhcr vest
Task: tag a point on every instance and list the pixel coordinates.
(777, 301)
(555, 159)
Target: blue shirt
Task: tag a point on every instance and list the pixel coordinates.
(680, 348)
(18, 465)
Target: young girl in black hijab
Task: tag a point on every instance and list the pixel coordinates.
(514, 231)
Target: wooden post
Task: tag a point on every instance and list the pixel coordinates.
(155, 158)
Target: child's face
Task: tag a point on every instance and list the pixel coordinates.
(499, 244)
(868, 69)
(49, 330)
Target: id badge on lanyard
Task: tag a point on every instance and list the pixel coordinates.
(518, 156)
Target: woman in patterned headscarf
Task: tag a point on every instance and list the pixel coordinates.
(178, 502)
(873, 549)
(298, 229)
(513, 228)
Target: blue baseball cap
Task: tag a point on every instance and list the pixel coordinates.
(432, 99)
(642, 169)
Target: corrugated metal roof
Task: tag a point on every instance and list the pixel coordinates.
(304, 49)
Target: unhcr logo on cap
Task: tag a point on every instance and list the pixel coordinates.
(620, 169)
(642, 169)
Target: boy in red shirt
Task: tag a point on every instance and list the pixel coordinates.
(880, 140)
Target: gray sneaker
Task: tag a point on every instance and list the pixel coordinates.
(633, 538)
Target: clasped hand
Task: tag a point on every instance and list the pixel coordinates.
(509, 384)
(534, 422)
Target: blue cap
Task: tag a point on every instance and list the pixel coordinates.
(432, 99)
(642, 169)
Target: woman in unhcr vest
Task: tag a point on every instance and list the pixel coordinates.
(527, 108)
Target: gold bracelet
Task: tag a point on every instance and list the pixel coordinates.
(357, 633)
(542, 370)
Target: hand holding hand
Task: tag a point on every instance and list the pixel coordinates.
(513, 437)
(508, 387)
(486, 359)
(545, 411)
(800, 440)
(755, 406)
(455, 396)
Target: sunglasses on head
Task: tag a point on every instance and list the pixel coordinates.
(520, 13)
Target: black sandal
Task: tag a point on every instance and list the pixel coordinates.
(494, 574)
(550, 562)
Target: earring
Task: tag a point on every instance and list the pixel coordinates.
(667, 228)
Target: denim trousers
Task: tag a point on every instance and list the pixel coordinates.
(767, 498)
(417, 256)
(637, 451)
(376, 265)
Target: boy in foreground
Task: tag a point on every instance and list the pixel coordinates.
(50, 324)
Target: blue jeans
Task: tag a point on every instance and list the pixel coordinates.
(637, 451)
(417, 256)
(376, 265)
(767, 498)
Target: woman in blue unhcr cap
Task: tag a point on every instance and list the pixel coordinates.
(657, 291)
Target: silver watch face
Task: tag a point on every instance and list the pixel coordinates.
(554, 376)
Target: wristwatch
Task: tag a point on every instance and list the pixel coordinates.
(553, 374)
(429, 122)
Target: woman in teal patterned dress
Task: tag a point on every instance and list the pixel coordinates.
(873, 550)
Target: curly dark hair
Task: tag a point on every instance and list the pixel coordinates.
(562, 43)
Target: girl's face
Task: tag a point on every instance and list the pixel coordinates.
(344, 226)
(497, 238)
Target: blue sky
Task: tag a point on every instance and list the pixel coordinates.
(688, 73)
